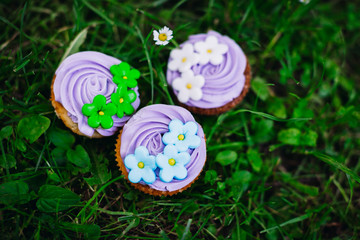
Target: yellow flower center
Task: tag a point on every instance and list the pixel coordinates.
(188, 86)
(181, 137)
(141, 165)
(162, 37)
(172, 162)
(209, 51)
(183, 60)
(121, 100)
(101, 113)
(125, 77)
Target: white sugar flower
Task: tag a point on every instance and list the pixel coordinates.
(189, 86)
(163, 36)
(211, 51)
(183, 59)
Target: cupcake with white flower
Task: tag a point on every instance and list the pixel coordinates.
(161, 150)
(209, 73)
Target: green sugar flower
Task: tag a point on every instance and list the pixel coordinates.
(123, 99)
(123, 74)
(99, 112)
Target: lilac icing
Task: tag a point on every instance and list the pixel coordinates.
(147, 126)
(79, 78)
(223, 82)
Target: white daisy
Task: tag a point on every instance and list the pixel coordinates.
(183, 59)
(163, 36)
(189, 86)
(211, 51)
(304, 1)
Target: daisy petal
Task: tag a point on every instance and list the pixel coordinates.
(156, 35)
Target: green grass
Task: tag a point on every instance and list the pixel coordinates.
(283, 164)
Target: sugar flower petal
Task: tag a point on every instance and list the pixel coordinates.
(180, 172)
(182, 136)
(210, 51)
(122, 100)
(99, 112)
(172, 164)
(182, 59)
(189, 86)
(135, 176)
(141, 165)
(148, 176)
(124, 75)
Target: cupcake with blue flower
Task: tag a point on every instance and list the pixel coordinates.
(161, 150)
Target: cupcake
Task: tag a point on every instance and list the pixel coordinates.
(161, 150)
(209, 74)
(94, 94)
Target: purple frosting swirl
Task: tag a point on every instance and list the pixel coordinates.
(223, 82)
(79, 78)
(146, 128)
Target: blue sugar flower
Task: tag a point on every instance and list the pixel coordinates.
(182, 136)
(172, 164)
(141, 165)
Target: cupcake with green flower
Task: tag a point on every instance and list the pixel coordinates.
(95, 94)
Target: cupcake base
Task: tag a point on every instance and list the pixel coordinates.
(63, 115)
(228, 106)
(144, 188)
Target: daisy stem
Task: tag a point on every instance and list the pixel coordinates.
(148, 60)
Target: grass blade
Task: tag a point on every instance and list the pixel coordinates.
(291, 221)
(148, 60)
(329, 160)
(75, 44)
(268, 116)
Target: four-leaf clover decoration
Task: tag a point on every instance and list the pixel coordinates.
(123, 74)
(123, 99)
(99, 112)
